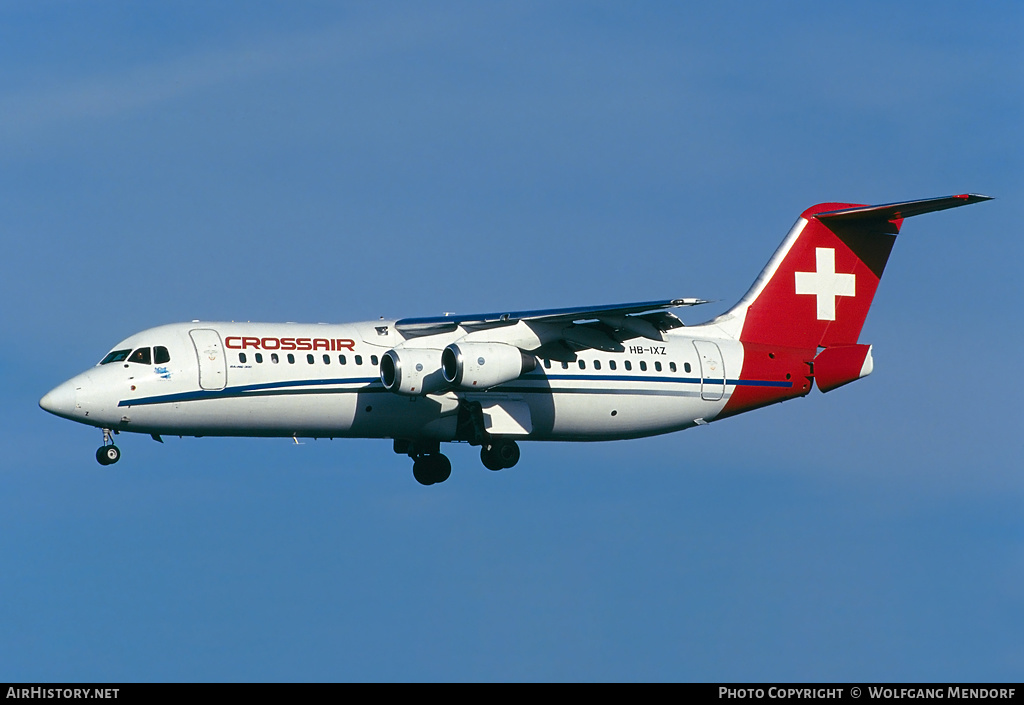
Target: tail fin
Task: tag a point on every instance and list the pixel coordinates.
(818, 286)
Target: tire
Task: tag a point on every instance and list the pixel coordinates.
(441, 467)
(421, 471)
(108, 455)
(508, 453)
(489, 457)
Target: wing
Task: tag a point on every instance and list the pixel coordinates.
(601, 327)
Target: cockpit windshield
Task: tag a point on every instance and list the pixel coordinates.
(115, 356)
(142, 356)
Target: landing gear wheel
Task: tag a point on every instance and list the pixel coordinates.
(500, 455)
(431, 469)
(108, 455)
(490, 459)
(442, 467)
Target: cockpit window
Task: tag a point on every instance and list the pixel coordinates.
(141, 356)
(160, 355)
(115, 356)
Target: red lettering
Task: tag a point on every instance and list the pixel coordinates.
(236, 342)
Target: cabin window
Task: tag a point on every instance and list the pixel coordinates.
(565, 365)
(657, 365)
(274, 358)
(583, 365)
(686, 366)
(547, 364)
(141, 356)
(291, 359)
(628, 364)
(115, 356)
(643, 366)
(342, 360)
(374, 360)
(309, 359)
(359, 359)
(611, 364)
(259, 358)
(160, 355)
(241, 358)
(672, 366)
(327, 359)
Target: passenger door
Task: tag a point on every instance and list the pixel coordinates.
(712, 370)
(211, 356)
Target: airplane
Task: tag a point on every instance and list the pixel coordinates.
(593, 373)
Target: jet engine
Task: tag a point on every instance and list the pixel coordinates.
(412, 371)
(470, 366)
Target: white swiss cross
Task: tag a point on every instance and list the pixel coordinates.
(825, 284)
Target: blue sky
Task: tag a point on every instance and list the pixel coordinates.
(330, 162)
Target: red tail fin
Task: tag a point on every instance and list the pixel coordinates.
(815, 292)
(817, 288)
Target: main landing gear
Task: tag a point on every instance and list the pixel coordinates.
(431, 469)
(429, 465)
(500, 454)
(495, 453)
(108, 453)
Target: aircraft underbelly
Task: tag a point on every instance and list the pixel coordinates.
(617, 415)
(282, 415)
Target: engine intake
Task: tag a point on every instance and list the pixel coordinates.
(412, 371)
(482, 365)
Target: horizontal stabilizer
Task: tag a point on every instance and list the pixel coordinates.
(898, 211)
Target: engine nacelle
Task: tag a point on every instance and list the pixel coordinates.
(482, 365)
(842, 364)
(412, 371)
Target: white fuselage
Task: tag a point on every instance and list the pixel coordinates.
(321, 380)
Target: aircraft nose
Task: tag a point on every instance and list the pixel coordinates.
(60, 400)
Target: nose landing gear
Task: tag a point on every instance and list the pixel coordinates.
(108, 453)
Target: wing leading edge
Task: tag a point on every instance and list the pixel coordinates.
(480, 321)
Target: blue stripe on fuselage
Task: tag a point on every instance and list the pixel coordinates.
(373, 385)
